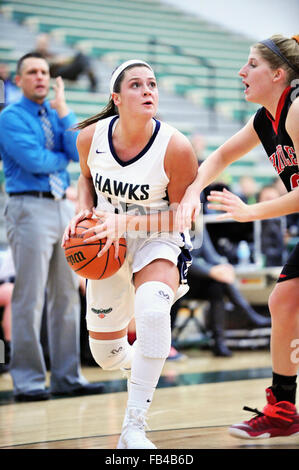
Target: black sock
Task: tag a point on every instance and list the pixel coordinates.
(284, 387)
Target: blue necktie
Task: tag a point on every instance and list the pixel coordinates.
(56, 184)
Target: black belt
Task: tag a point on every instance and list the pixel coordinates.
(41, 194)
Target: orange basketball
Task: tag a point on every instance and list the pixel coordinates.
(82, 257)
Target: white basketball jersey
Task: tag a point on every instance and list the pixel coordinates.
(138, 186)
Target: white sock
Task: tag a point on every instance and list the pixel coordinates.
(145, 375)
(153, 302)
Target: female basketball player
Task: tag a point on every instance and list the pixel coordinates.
(137, 167)
(270, 78)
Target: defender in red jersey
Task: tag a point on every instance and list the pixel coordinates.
(270, 77)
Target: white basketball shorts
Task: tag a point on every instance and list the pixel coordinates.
(110, 302)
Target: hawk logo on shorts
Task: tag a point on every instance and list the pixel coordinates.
(116, 351)
(102, 312)
(164, 295)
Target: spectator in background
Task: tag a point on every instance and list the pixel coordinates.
(293, 225)
(10, 93)
(69, 68)
(278, 184)
(268, 193)
(198, 143)
(219, 186)
(36, 148)
(212, 278)
(248, 189)
(292, 219)
(272, 235)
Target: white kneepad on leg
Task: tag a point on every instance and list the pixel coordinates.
(153, 301)
(112, 354)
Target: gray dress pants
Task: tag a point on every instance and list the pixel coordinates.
(34, 230)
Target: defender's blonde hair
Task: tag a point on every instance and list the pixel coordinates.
(280, 51)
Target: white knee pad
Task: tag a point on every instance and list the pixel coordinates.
(153, 301)
(112, 354)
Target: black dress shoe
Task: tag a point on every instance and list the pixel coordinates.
(257, 320)
(4, 368)
(221, 350)
(88, 389)
(38, 395)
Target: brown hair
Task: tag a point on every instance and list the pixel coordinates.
(29, 55)
(289, 48)
(110, 109)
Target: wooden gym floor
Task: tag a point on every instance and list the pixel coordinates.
(195, 402)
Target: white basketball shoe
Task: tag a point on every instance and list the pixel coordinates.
(133, 431)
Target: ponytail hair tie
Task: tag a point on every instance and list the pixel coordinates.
(296, 37)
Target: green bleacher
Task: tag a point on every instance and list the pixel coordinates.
(173, 42)
(114, 30)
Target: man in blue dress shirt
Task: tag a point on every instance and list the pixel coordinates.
(36, 146)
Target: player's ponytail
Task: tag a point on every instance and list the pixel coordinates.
(109, 110)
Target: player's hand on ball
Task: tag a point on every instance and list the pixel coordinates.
(71, 227)
(111, 226)
(83, 257)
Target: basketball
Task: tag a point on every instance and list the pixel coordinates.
(83, 257)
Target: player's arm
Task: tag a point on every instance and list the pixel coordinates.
(234, 148)
(181, 167)
(235, 208)
(86, 192)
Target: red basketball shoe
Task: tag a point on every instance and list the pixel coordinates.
(276, 420)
